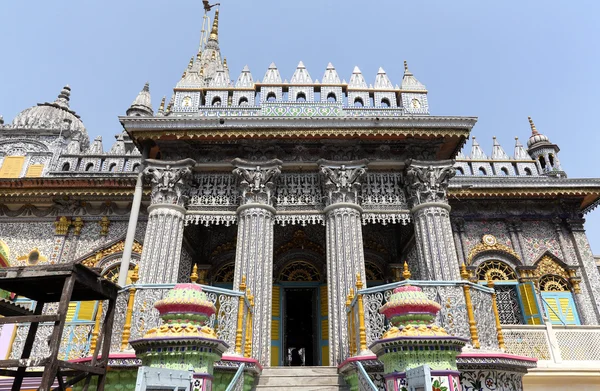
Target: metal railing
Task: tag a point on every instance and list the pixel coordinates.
(135, 315)
(554, 344)
(466, 312)
(237, 383)
(364, 381)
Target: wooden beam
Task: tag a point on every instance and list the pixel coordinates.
(29, 319)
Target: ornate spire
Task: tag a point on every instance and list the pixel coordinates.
(520, 153)
(476, 151)
(161, 108)
(331, 76)
(118, 148)
(533, 128)
(272, 76)
(357, 80)
(497, 151)
(382, 81)
(301, 75)
(221, 78)
(409, 82)
(214, 33)
(96, 148)
(245, 79)
(142, 105)
(64, 97)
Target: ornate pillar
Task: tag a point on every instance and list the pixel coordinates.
(515, 227)
(427, 187)
(458, 226)
(254, 252)
(159, 263)
(589, 298)
(345, 253)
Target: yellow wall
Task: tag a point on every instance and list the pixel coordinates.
(562, 380)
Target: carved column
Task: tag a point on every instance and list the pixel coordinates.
(345, 253)
(458, 226)
(589, 298)
(254, 252)
(427, 188)
(515, 227)
(159, 263)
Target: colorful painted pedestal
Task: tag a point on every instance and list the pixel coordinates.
(183, 342)
(414, 341)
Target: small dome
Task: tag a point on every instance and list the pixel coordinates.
(535, 137)
(55, 116)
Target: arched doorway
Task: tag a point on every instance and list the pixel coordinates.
(299, 323)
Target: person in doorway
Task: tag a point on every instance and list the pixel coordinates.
(296, 358)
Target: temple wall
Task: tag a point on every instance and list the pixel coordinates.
(22, 237)
(539, 237)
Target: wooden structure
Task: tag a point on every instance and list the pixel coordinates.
(49, 284)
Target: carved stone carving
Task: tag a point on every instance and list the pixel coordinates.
(257, 180)
(341, 181)
(168, 180)
(428, 181)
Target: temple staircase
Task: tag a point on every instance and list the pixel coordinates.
(301, 378)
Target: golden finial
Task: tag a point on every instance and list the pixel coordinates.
(359, 283)
(351, 294)
(243, 284)
(348, 301)
(183, 74)
(213, 56)
(533, 128)
(214, 34)
(194, 275)
(135, 276)
(225, 62)
(251, 300)
(464, 274)
(490, 283)
(406, 273)
(199, 54)
(201, 71)
(191, 63)
(161, 108)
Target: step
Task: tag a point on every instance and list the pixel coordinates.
(300, 380)
(305, 388)
(299, 371)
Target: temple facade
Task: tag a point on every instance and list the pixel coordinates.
(302, 191)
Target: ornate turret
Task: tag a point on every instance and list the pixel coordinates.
(414, 99)
(544, 153)
(414, 341)
(497, 151)
(142, 105)
(184, 312)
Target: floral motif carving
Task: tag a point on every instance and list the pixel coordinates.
(119, 247)
(490, 245)
(428, 181)
(547, 265)
(169, 180)
(341, 181)
(257, 180)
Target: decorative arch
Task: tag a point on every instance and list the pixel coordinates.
(489, 245)
(112, 273)
(108, 256)
(554, 283)
(373, 272)
(495, 270)
(225, 273)
(549, 264)
(300, 240)
(299, 271)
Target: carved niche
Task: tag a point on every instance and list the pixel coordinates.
(428, 181)
(342, 180)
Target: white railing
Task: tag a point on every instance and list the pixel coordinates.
(555, 345)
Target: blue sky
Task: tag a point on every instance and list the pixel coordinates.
(500, 61)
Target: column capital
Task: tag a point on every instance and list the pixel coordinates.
(427, 182)
(257, 180)
(342, 180)
(169, 180)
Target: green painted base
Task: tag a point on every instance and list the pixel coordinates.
(182, 358)
(400, 361)
(222, 379)
(116, 380)
(352, 381)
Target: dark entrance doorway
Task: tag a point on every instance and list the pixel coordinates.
(300, 328)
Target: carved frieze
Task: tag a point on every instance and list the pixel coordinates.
(428, 181)
(342, 180)
(169, 180)
(257, 181)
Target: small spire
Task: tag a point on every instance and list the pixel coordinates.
(146, 87)
(194, 275)
(225, 62)
(199, 55)
(497, 151)
(1, 120)
(533, 128)
(214, 34)
(476, 151)
(406, 71)
(161, 108)
(406, 273)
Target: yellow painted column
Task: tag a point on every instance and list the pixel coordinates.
(352, 324)
(240, 320)
(248, 346)
(361, 315)
(129, 313)
(497, 317)
(470, 313)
